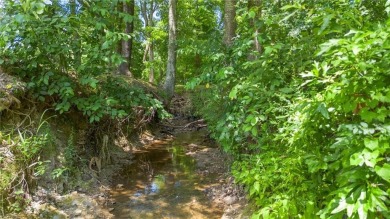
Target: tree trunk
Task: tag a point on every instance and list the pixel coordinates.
(77, 47)
(125, 52)
(230, 22)
(131, 31)
(151, 59)
(169, 85)
(147, 9)
(255, 5)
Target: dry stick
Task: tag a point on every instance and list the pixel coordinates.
(187, 125)
(195, 122)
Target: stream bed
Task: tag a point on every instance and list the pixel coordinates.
(166, 181)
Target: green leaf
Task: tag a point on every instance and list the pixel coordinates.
(371, 143)
(323, 110)
(105, 45)
(367, 115)
(254, 121)
(383, 172)
(356, 159)
(325, 22)
(252, 14)
(254, 131)
(256, 186)
(128, 18)
(342, 205)
(40, 7)
(233, 93)
(356, 49)
(19, 18)
(377, 202)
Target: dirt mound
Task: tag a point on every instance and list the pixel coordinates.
(10, 89)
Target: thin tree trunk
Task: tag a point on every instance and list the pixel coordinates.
(77, 49)
(151, 59)
(131, 31)
(230, 22)
(255, 5)
(169, 85)
(125, 52)
(147, 11)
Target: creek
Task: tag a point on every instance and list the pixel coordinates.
(165, 182)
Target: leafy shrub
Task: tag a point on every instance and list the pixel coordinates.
(72, 67)
(308, 120)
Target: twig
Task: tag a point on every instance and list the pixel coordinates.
(187, 125)
(194, 122)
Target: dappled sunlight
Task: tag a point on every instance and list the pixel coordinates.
(168, 185)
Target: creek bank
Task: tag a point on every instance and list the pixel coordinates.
(214, 193)
(90, 193)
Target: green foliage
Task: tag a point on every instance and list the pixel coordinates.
(70, 160)
(21, 165)
(72, 67)
(308, 118)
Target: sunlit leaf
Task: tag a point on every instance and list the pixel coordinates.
(383, 172)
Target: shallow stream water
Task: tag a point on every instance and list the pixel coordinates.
(163, 182)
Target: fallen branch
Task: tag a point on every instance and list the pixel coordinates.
(194, 122)
(187, 125)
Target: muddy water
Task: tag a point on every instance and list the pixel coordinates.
(163, 182)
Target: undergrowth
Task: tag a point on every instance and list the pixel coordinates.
(20, 162)
(308, 120)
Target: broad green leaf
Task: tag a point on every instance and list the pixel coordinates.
(377, 202)
(295, 6)
(323, 110)
(233, 93)
(254, 121)
(252, 14)
(256, 185)
(367, 115)
(361, 211)
(356, 159)
(128, 18)
(254, 131)
(325, 22)
(383, 172)
(350, 208)
(105, 45)
(19, 18)
(40, 7)
(371, 143)
(342, 205)
(356, 49)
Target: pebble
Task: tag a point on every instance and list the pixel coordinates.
(77, 212)
(229, 200)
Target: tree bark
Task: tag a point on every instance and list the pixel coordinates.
(131, 31)
(169, 85)
(255, 5)
(77, 49)
(230, 22)
(151, 59)
(125, 51)
(147, 9)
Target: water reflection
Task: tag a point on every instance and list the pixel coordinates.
(163, 183)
